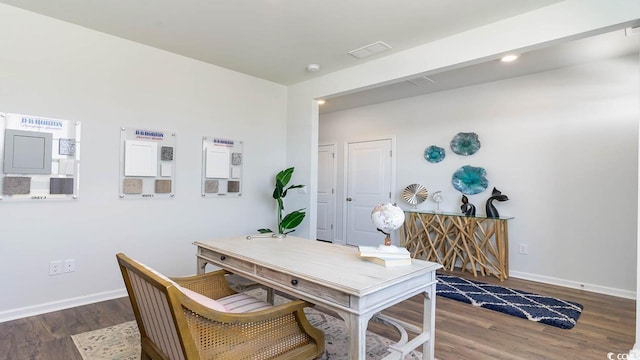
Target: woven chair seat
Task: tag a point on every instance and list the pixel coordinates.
(175, 326)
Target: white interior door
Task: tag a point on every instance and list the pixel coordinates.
(326, 193)
(368, 183)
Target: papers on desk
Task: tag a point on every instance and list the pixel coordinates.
(387, 256)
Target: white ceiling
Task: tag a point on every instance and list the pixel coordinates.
(598, 47)
(276, 39)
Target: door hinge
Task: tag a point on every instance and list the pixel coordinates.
(333, 155)
(331, 226)
(333, 191)
(391, 153)
(389, 195)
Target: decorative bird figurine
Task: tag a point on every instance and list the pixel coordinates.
(491, 210)
(467, 208)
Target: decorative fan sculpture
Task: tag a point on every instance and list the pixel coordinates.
(415, 194)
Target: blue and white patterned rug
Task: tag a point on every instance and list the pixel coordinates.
(539, 308)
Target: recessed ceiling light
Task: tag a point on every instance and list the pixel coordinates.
(313, 67)
(509, 58)
(321, 102)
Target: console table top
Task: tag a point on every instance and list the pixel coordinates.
(453, 214)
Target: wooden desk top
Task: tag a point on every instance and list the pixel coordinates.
(337, 266)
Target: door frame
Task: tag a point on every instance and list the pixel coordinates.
(335, 188)
(345, 168)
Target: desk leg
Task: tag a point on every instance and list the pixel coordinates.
(429, 322)
(202, 264)
(357, 327)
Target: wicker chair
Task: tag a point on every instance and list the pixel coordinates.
(175, 326)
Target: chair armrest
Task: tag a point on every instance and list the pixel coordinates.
(212, 284)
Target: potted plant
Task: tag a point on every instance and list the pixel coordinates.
(287, 223)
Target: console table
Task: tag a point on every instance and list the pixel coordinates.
(335, 277)
(478, 245)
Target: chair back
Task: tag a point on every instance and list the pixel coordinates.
(158, 320)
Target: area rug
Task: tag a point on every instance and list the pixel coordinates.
(539, 308)
(122, 342)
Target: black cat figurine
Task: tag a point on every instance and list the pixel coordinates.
(491, 210)
(467, 208)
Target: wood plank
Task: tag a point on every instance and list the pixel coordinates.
(607, 324)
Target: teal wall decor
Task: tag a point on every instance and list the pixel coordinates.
(434, 154)
(470, 180)
(465, 143)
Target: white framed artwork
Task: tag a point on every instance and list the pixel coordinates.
(147, 163)
(221, 167)
(41, 158)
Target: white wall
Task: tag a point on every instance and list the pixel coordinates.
(561, 144)
(54, 69)
(569, 19)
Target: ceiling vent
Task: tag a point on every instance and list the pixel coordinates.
(422, 80)
(369, 50)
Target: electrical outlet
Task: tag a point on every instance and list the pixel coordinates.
(524, 249)
(56, 267)
(69, 265)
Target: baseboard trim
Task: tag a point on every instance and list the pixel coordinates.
(574, 284)
(27, 311)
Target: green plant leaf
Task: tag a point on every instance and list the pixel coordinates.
(292, 219)
(285, 176)
(264, 231)
(277, 192)
(284, 193)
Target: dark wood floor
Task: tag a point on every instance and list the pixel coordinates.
(607, 324)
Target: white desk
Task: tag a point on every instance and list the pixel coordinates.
(334, 277)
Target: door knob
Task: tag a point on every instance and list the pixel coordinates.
(349, 199)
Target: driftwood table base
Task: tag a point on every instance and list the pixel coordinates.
(475, 244)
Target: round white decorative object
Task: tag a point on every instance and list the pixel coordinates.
(415, 194)
(387, 217)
